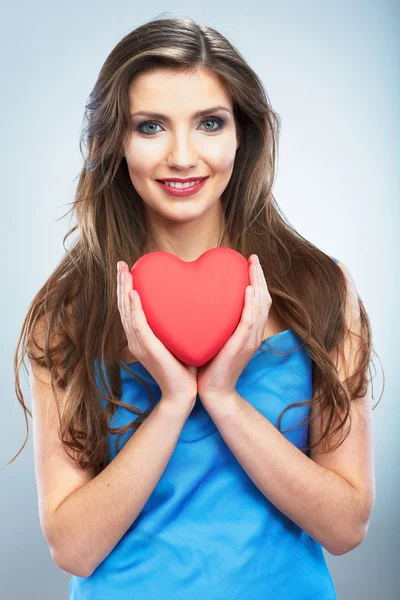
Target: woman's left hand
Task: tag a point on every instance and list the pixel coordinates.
(217, 379)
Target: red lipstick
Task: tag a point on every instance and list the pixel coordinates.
(188, 191)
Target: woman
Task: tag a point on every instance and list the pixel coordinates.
(199, 493)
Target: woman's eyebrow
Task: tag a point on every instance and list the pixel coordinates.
(198, 113)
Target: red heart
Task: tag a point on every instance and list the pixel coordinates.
(192, 307)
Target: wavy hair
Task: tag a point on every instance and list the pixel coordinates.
(76, 308)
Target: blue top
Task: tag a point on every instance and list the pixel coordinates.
(206, 530)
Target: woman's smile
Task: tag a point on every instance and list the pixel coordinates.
(179, 189)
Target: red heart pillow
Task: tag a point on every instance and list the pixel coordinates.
(192, 307)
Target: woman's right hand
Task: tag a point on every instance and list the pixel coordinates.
(176, 380)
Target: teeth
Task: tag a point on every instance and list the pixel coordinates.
(181, 186)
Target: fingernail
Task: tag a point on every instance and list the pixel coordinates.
(123, 278)
(119, 267)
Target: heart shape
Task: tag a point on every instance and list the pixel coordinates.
(192, 307)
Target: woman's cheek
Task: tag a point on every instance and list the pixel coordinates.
(220, 154)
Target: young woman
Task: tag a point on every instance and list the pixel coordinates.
(156, 479)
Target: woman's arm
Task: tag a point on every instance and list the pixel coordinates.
(317, 499)
(90, 522)
(329, 495)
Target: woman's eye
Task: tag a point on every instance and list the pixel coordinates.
(217, 120)
(145, 124)
(141, 126)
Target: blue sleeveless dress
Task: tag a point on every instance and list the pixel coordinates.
(206, 531)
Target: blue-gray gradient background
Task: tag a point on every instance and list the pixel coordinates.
(331, 71)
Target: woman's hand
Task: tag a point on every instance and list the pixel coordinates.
(217, 379)
(176, 380)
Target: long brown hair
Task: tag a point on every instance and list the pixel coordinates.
(78, 304)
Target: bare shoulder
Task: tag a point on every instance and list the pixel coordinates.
(352, 294)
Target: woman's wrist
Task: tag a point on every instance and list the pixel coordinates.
(179, 402)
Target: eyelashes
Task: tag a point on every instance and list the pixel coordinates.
(220, 122)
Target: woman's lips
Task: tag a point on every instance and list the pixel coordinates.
(189, 191)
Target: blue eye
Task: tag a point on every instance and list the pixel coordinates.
(220, 124)
(217, 120)
(144, 124)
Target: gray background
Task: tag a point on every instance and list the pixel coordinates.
(331, 71)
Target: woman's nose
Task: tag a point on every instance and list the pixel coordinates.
(182, 152)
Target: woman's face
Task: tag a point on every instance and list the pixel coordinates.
(180, 144)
